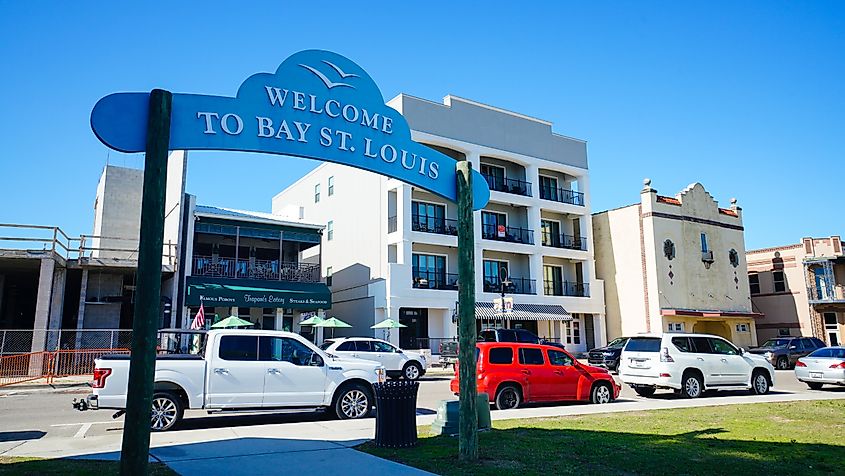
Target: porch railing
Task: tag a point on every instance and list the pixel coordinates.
(441, 226)
(435, 280)
(270, 270)
(492, 284)
(565, 241)
(510, 234)
(508, 185)
(566, 288)
(562, 195)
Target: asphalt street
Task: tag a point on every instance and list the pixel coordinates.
(46, 412)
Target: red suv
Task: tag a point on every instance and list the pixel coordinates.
(512, 373)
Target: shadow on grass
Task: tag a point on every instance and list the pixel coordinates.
(521, 451)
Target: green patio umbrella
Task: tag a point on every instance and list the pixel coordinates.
(388, 324)
(333, 323)
(312, 321)
(232, 321)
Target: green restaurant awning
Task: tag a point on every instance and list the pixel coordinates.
(253, 293)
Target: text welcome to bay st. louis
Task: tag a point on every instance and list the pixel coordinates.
(302, 132)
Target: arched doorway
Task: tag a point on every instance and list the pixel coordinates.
(719, 328)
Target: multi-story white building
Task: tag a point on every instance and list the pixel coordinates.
(390, 249)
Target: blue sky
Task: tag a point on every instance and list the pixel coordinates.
(746, 97)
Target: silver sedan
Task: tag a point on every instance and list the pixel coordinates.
(823, 366)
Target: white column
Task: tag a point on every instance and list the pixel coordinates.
(403, 219)
(532, 175)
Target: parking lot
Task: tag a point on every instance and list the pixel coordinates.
(47, 412)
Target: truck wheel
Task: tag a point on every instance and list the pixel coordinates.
(645, 391)
(412, 371)
(782, 363)
(167, 411)
(353, 402)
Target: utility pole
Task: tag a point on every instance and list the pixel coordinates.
(134, 452)
(468, 426)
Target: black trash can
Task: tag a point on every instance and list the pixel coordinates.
(396, 414)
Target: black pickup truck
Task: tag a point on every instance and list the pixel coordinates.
(449, 349)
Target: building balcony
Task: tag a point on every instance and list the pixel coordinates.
(507, 233)
(565, 241)
(435, 280)
(562, 195)
(441, 226)
(268, 270)
(508, 185)
(566, 288)
(516, 286)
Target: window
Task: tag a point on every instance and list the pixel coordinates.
(493, 272)
(348, 346)
(742, 327)
(643, 344)
(317, 193)
(733, 257)
(382, 347)
(669, 250)
(572, 331)
(682, 343)
(331, 185)
(328, 275)
(701, 345)
(559, 358)
(676, 327)
(363, 346)
(704, 243)
(283, 349)
(780, 282)
(330, 230)
(429, 217)
(431, 268)
(754, 283)
(548, 188)
(494, 225)
(239, 348)
(552, 280)
(722, 347)
(531, 356)
(783, 332)
(501, 355)
(495, 176)
(551, 233)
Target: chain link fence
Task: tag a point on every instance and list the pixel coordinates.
(21, 341)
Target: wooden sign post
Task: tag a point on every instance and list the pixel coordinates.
(468, 429)
(135, 449)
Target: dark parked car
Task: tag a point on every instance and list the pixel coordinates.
(608, 356)
(783, 352)
(449, 349)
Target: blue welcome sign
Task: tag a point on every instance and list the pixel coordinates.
(317, 105)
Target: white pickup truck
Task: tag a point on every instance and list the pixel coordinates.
(246, 370)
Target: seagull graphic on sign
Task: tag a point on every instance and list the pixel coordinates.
(329, 83)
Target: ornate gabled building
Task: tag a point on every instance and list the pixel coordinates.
(675, 264)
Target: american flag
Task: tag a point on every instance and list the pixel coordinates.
(199, 319)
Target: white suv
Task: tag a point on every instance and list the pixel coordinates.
(691, 364)
(397, 362)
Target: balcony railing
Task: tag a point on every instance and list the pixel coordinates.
(392, 225)
(562, 195)
(566, 288)
(435, 280)
(507, 233)
(565, 241)
(269, 270)
(508, 185)
(441, 226)
(492, 284)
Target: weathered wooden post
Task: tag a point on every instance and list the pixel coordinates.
(134, 453)
(468, 429)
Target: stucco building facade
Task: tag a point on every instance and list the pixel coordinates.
(800, 289)
(675, 264)
(390, 249)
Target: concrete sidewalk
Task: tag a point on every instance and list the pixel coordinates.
(321, 446)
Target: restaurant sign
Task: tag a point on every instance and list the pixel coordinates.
(317, 105)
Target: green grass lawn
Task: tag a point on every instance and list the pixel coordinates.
(68, 467)
(775, 438)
